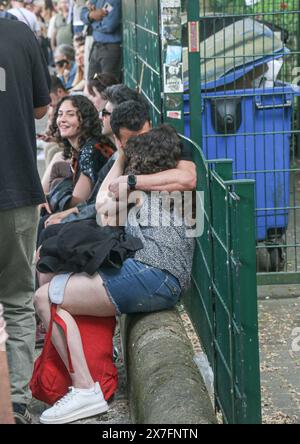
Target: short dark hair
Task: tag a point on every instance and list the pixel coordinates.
(120, 93)
(157, 150)
(131, 115)
(100, 82)
(56, 84)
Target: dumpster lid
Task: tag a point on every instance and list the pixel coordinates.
(237, 49)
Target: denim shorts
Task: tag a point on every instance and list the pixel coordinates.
(139, 288)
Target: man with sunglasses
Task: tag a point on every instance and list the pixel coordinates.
(105, 18)
(65, 65)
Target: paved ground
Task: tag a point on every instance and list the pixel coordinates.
(279, 322)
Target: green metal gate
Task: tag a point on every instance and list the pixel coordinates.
(249, 111)
(222, 301)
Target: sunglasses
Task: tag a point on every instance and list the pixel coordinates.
(104, 113)
(61, 63)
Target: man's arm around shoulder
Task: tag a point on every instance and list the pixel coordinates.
(181, 178)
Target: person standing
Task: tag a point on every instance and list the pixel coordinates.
(24, 15)
(24, 95)
(3, 11)
(105, 17)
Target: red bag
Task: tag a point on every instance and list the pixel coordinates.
(50, 380)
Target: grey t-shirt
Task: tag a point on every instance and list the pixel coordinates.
(165, 247)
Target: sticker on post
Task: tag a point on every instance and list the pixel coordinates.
(171, 3)
(171, 24)
(174, 115)
(174, 55)
(173, 78)
(108, 7)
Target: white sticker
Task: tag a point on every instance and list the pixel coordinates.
(174, 115)
(108, 7)
(171, 3)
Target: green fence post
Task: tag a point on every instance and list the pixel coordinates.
(244, 241)
(194, 70)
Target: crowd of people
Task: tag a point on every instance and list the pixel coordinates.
(79, 38)
(98, 252)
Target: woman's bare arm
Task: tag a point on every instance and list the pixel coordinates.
(106, 204)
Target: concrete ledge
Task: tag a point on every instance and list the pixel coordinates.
(164, 384)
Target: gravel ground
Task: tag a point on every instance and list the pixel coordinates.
(280, 366)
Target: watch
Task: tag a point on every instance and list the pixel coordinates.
(131, 181)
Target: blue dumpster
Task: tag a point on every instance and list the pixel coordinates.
(253, 128)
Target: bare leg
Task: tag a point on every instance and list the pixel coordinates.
(84, 295)
(44, 278)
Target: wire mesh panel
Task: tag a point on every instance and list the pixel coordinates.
(249, 99)
(130, 43)
(222, 300)
(142, 51)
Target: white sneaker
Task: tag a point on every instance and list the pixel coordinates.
(76, 404)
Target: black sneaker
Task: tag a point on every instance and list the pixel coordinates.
(21, 414)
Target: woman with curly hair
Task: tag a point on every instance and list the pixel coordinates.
(76, 125)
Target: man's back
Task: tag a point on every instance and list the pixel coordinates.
(24, 93)
(23, 88)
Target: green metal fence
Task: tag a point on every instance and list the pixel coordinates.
(223, 300)
(249, 111)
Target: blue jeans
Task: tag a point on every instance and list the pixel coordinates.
(138, 288)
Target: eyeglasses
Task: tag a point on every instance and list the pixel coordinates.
(104, 113)
(61, 63)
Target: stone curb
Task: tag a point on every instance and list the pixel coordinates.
(164, 385)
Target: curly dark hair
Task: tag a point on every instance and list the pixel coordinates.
(155, 151)
(90, 124)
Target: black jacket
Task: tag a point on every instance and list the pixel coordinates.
(84, 246)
